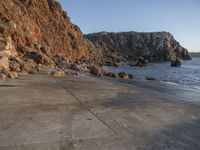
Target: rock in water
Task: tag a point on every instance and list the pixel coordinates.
(176, 63)
(142, 62)
(151, 79)
(123, 75)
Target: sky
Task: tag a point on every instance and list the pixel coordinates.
(179, 17)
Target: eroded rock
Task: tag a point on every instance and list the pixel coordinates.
(29, 66)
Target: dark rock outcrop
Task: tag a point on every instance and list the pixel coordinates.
(141, 62)
(176, 63)
(151, 79)
(154, 46)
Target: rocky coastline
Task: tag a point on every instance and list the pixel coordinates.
(45, 41)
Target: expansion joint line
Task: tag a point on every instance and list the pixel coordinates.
(88, 109)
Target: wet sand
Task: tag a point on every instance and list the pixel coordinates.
(86, 113)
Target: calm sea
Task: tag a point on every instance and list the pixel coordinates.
(188, 74)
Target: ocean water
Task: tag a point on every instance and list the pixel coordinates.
(187, 75)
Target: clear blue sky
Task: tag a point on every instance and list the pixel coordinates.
(180, 17)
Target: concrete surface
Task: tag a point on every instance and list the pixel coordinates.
(85, 113)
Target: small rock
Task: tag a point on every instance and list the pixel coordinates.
(3, 76)
(130, 76)
(123, 75)
(45, 70)
(111, 74)
(74, 67)
(58, 73)
(45, 49)
(151, 78)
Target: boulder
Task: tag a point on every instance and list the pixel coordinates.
(142, 62)
(45, 70)
(7, 47)
(14, 66)
(3, 76)
(176, 63)
(4, 64)
(41, 58)
(97, 71)
(58, 73)
(123, 75)
(29, 66)
(13, 75)
(79, 67)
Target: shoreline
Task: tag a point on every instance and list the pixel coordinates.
(180, 76)
(183, 92)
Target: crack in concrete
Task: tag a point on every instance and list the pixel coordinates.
(89, 110)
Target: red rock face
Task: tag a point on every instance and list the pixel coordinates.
(42, 22)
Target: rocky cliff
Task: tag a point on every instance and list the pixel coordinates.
(28, 24)
(39, 32)
(153, 46)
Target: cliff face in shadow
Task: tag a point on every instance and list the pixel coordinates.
(153, 46)
(36, 23)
